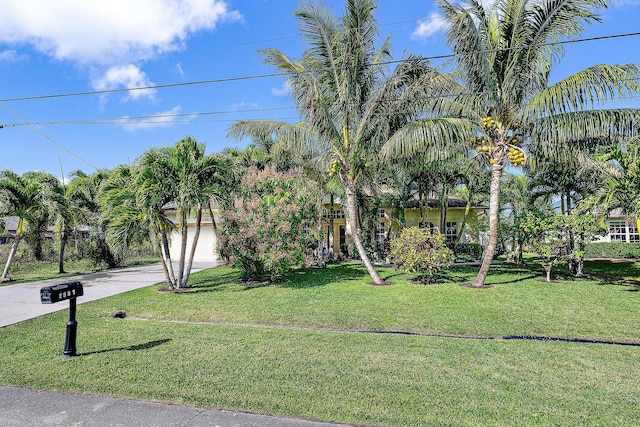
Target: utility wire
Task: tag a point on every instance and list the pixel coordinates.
(155, 119)
(45, 135)
(263, 76)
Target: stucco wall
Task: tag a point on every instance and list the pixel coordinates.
(205, 251)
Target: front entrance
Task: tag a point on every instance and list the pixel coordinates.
(343, 239)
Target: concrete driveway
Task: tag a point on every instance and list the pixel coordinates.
(22, 301)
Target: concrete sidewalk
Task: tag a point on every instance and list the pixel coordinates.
(21, 407)
(22, 301)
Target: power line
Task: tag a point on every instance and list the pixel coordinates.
(263, 76)
(140, 88)
(46, 136)
(155, 118)
(135, 119)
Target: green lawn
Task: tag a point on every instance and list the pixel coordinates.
(291, 348)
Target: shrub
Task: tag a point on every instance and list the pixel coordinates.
(265, 232)
(420, 250)
(612, 250)
(468, 251)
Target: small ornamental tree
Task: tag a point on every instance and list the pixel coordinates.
(583, 228)
(265, 233)
(420, 250)
(550, 241)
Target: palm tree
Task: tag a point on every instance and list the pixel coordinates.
(184, 175)
(122, 221)
(79, 207)
(618, 170)
(349, 101)
(33, 197)
(505, 52)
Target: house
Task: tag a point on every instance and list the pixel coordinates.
(206, 250)
(336, 233)
(620, 229)
(334, 226)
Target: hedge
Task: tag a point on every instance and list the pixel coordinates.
(468, 251)
(612, 250)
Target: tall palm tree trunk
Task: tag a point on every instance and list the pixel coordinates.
(167, 265)
(494, 208)
(183, 245)
(350, 191)
(12, 253)
(194, 244)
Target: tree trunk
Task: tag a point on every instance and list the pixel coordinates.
(216, 232)
(164, 266)
(167, 265)
(548, 274)
(63, 244)
(494, 208)
(351, 218)
(320, 236)
(184, 234)
(464, 222)
(444, 204)
(194, 244)
(12, 253)
(520, 259)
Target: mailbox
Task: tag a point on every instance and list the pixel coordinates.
(61, 292)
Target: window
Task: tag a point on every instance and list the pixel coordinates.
(381, 213)
(431, 226)
(633, 232)
(451, 231)
(618, 231)
(381, 233)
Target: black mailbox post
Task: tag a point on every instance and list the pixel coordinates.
(62, 292)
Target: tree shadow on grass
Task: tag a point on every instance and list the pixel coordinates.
(315, 277)
(210, 283)
(136, 347)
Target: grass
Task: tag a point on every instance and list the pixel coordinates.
(289, 348)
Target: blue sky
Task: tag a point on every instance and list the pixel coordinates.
(74, 46)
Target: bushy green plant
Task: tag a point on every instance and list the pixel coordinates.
(612, 250)
(550, 241)
(468, 251)
(266, 232)
(100, 253)
(420, 250)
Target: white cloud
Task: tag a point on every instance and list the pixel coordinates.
(161, 119)
(179, 69)
(428, 27)
(283, 90)
(11, 56)
(126, 76)
(109, 32)
(238, 106)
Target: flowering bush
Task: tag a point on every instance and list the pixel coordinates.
(265, 232)
(420, 250)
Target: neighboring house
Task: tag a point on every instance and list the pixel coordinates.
(335, 228)
(10, 226)
(620, 229)
(207, 249)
